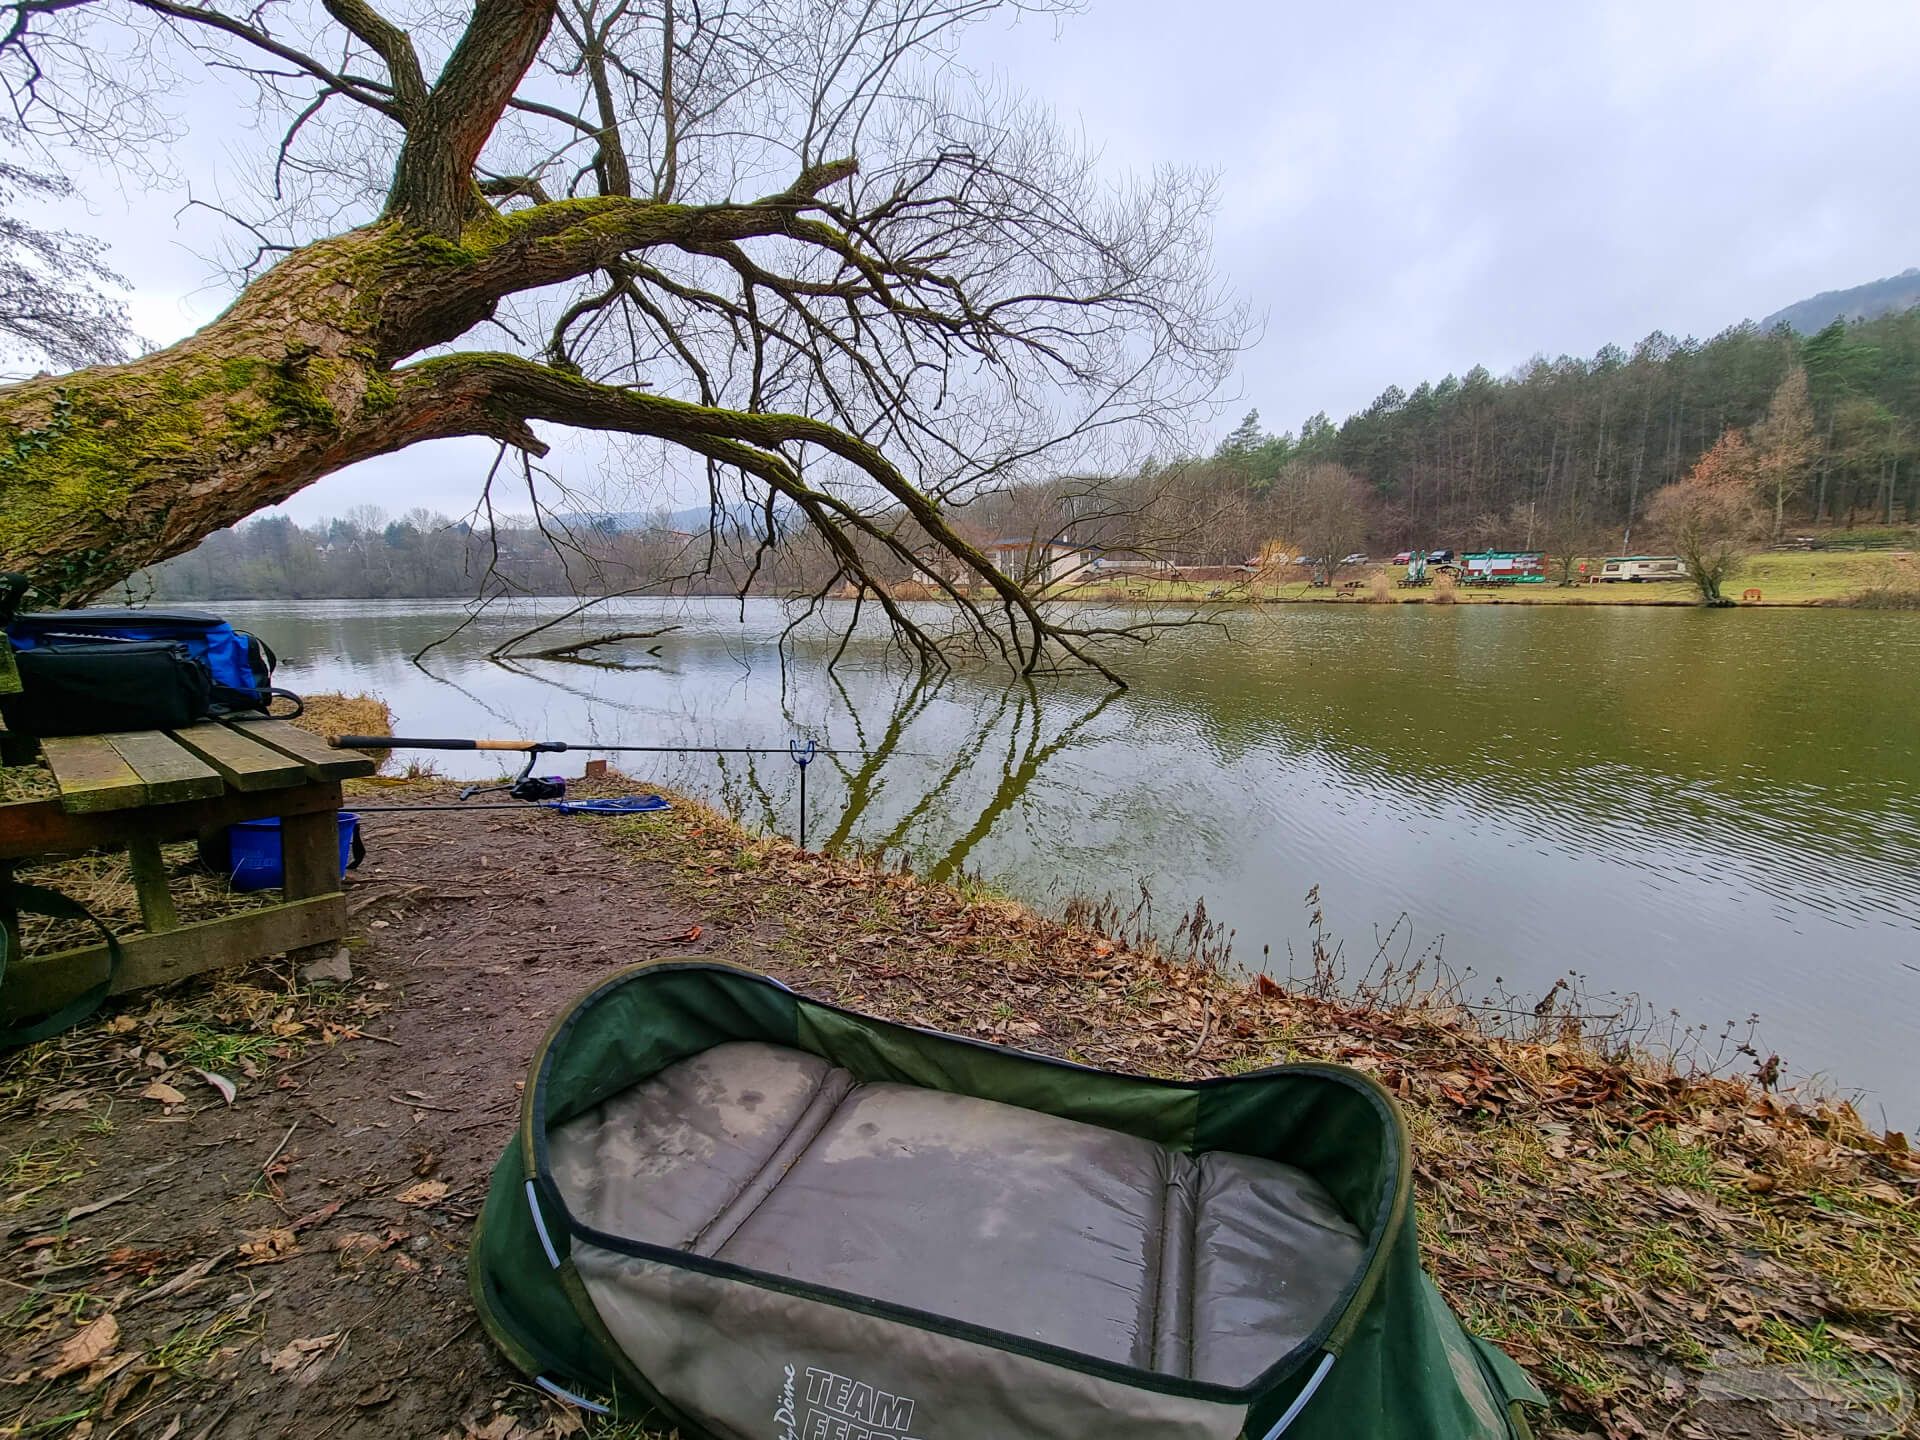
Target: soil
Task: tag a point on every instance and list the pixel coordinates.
(478, 929)
(1667, 1250)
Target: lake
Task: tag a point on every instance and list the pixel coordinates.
(1719, 811)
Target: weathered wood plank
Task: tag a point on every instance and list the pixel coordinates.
(246, 764)
(92, 775)
(170, 770)
(150, 886)
(323, 762)
(39, 983)
(34, 829)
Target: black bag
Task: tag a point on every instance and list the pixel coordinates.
(87, 689)
(87, 671)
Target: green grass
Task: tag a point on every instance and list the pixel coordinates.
(1659, 1156)
(187, 1351)
(1665, 1257)
(37, 1166)
(1812, 1345)
(206, 1047)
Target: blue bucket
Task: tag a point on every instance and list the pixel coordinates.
(253, 851)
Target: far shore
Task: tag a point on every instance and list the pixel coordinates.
(1780, 579)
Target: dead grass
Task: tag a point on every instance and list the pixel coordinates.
(249, 1023)
(1633, 1235)
(26, 782)
(1894, 585)
(104, 884)
(329, 715)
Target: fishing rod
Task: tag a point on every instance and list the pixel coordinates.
(530, 788)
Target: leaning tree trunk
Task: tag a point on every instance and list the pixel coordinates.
(112, 468)
(109, 469)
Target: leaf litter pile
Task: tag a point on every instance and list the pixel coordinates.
(240, 1205)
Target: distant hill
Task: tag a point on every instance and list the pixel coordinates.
(1863, 302)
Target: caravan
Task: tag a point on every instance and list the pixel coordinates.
(1643, 567)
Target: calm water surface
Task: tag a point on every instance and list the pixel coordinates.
(1718, 811)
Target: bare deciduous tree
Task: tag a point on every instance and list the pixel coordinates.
(1328, 511)
(52, 308)
(791, 242)
(1711, 517)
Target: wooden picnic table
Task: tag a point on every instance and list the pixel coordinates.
(138, 790)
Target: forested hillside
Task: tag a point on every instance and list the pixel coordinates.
(1575, 445)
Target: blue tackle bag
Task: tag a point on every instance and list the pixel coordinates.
(185, 665)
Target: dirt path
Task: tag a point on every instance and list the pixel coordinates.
(352, 1172)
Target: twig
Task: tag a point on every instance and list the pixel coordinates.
(424, 1105)
(278, 1148)
(471, 1322)
(185, 1280)
(1206, 1024)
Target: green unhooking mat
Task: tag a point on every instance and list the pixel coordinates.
(757, 1217)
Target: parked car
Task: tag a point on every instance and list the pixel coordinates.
(1405, 557)
(1353, 560)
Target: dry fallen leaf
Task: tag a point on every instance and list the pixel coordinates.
(296, 1353)
(267, 1246)
(110, 1367)
(221, 1083)
(425, 1192)
(164, 1093)
(85, 1349)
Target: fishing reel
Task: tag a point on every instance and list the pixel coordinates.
(526, 785)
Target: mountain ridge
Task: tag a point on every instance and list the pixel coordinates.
(1888, 295)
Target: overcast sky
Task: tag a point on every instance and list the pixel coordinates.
(1405, 189)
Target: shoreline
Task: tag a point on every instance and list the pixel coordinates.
(1662, 1252)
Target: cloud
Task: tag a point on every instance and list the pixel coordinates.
(1405, 190)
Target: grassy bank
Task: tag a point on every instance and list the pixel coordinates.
(1791, 578)
(1666, 1253)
